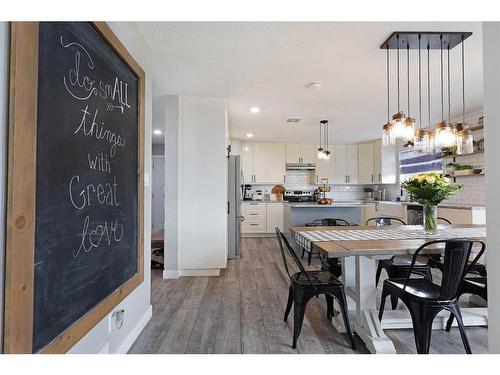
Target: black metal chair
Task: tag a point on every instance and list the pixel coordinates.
(306, 284)
(424, 299)
(398, 266)
(471, 285)
(433, 258)
(420, 220)
(327, 222)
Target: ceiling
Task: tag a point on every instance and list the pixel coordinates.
(269, 65)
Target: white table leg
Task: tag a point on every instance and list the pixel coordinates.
(349, 280)
(366, 324)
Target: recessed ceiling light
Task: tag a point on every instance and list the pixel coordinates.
(255, 109)
(157, 131)
(249, 135)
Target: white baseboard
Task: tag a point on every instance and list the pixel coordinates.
(200, 272)
(129, 341)
(170, 274)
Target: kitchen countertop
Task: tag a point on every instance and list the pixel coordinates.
(333, 205)
(443, 205)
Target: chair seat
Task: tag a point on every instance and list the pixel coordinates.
(420, 288)
(405, 260)
(317, 278)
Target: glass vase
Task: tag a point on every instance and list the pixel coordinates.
(430, 218)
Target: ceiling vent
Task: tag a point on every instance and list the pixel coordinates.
(293, 120)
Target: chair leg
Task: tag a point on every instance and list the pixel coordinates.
(382, 304)
(379, 271)
(303, 251)
(422, 317)
(299, 309)
(329, 306)
(428, 274)
(309, 257)
(394, 302)
(456, 311)
(345, 315)
(449, 322)
(289, 303)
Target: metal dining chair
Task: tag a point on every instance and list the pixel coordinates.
(424, 299)
(306, 284)
(398, 266)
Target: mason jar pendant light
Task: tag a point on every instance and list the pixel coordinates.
(398, 119)
(323, 152)
(430, 147)
(465, 141)
(421, 137)
(445, 136)
(387, 134)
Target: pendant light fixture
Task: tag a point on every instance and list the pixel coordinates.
(398, 120)
(431, 146)
(387, 136)
(465, 141)
(409, 121)
(323, 152)
(421, 137)
(445, 136)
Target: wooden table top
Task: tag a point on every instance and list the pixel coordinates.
(344, 248)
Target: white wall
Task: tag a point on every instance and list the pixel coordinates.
(491, 61)
(137, 305)
(196, 176)
(4, 59)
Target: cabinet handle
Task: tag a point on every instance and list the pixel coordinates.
(316, 178)
(254, 225)
(372, 178)
(379, 177)
(284, 178)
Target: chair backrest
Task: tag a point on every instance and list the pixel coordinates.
(420, 220)
(455, 263)
(384, 220)
(328, 222)
(282, 239)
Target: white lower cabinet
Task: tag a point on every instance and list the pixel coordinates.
(261, 217)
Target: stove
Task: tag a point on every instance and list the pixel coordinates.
(298, 196)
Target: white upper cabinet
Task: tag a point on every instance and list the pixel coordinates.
(339, 155)
(385, 163)
(300, 153)
(352, 163)
(269, 162)
(247, 162)
(325, 169)
(366, 163)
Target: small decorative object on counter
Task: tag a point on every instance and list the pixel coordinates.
(279, 191)
(430, 189)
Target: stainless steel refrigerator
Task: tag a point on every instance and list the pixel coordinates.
(234, 198)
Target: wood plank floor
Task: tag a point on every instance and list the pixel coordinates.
(241, 311)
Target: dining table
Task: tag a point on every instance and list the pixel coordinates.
(359, 248)
(157, 239)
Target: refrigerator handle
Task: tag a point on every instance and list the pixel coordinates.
(228, 207)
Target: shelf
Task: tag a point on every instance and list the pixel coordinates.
(460, 155)
(463, 175)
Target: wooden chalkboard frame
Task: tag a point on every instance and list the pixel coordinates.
(21, 205)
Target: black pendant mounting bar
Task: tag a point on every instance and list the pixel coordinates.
(431, 38)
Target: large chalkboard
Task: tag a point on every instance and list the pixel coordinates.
(86, 232)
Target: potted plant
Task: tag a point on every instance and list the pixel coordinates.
(430, 189)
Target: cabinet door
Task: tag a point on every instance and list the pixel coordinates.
(352, 163)
(339, 155)
(308, 153)
(365, 163)
(377, 161)
(274, 217)
(293, 153)
(324, 169)
(247, 162)
(269, 162)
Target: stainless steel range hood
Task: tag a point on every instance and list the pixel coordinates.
(301, 166)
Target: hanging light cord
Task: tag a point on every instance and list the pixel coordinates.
(408, 74)
(397, 38)
(419, 85)
(428, 85)
(442, 86)
(449, 87)
(388, 99)
(463, 83)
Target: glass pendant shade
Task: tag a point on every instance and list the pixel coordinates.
(327, 155)
(399, 126)
(387, 138)
(445, 135)
(409, 129)
(431, 142)
(465, 141)
(421, 140)
(320, 153)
